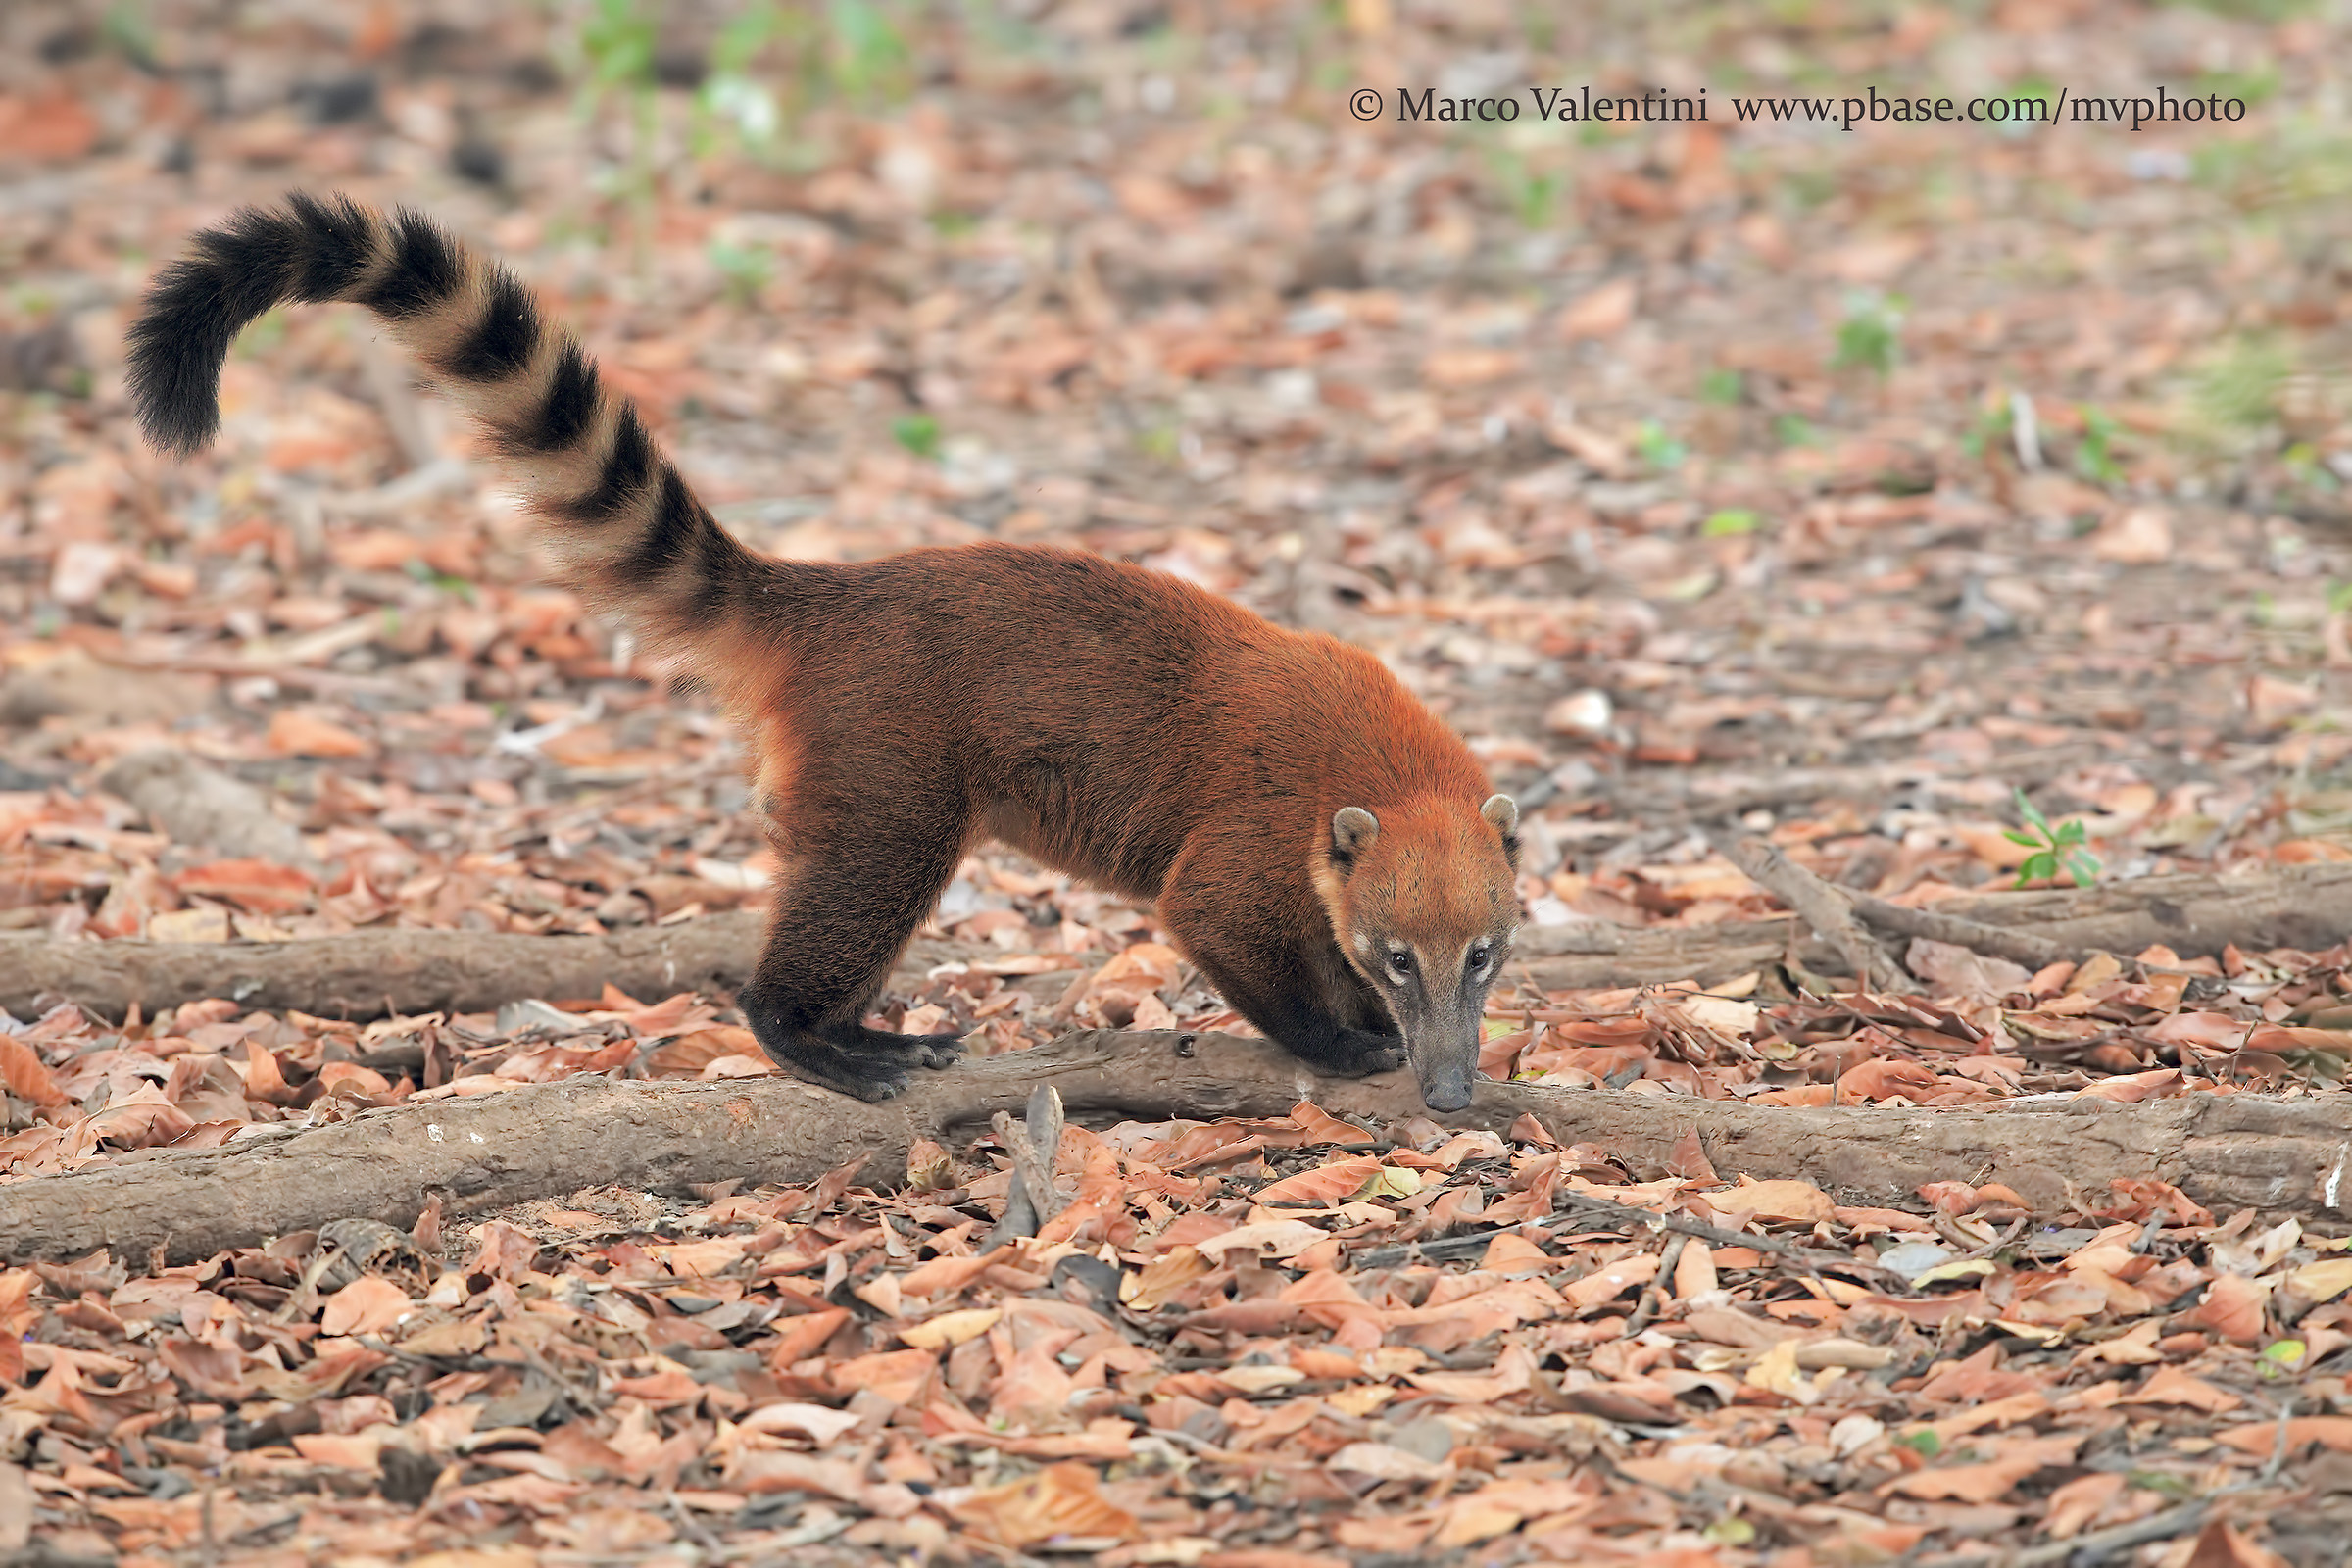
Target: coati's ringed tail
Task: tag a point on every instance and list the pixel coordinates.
(634, 535)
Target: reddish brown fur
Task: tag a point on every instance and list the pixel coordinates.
(1117, 724)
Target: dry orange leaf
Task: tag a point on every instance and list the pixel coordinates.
(1602, 312)
(1784, 1199)
(296, 734)
(2232, 1308)
(2221, 1546)
(1324, 1183)
(2330, 1431)
(1609, 1283)
(1059, 1501)
(257, 887)
(1991, 1479)
(28, 1077)
(1322, 1127)
(2169, 1385)
(368, 1304)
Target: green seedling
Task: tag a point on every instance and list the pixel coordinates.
(919, 433)
(1723, 387)
(1659, 450)
(2239, 387)
(1728, 522)
(1871, 337)
(745, 268)
(2094, 454)
(2055, 849)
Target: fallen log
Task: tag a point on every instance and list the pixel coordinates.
(366, 973)
(2228, 1151)
(2305, 907)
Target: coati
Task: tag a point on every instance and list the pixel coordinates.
(1314, 839)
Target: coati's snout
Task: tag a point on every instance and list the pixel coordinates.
(1424, 905)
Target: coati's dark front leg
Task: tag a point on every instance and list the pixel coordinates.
(851, 893)
(1292, 984)
(1304, 1018)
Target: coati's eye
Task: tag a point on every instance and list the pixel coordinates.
(1478, 959)
(1401, 962)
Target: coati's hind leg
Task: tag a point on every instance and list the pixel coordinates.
(859, 881)
(1294, 986)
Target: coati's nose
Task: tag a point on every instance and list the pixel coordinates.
(1446, 1092)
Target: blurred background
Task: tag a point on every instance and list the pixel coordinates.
(1867, 489)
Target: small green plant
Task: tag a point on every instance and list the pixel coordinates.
(1730, 1531)
(1164, 443)
(1925, 1443)
(1990, 427)
(869, 59)
(1659, 450)
(1723, 387)
(2055, 849)
(618, 44)
(1871, 337)
(731, 93)
(745, 269)
(919, 433)
(1794, 431)
(130, 30)
(2238, 388)
(1728, 522)
(1533, 193)
(2094, 454)
(2340, 598)
(2302, 463)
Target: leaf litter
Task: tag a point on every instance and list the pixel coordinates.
(1227, 1343)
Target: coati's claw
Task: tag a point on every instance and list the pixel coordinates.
(874, 1088)
(937, 1051)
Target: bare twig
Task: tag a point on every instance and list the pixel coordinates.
(1655, 1291)
(1819, 905)
(1582, 1211)
(2101, 1544)
(1031, 1201)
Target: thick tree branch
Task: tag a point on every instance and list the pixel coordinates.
(485, 1153)
(366, 973)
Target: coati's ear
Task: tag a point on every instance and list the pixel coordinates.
(1503, 813)
(1352, 830)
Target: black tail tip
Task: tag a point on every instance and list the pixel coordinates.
(232, 273)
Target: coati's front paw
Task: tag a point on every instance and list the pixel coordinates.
(873, 1066)
(868, 1076)
(1359, 1053)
